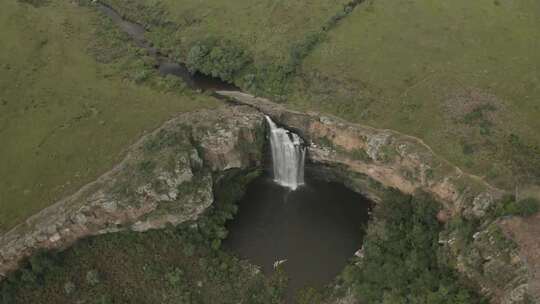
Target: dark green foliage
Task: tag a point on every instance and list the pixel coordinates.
(302, 49)
(226, 61)
(360, 154)
(401, 263)
(145, 168)
(525, 207)
(175, 265)
(269, 79)
(33, 273)
(465, 228)
(221, 59)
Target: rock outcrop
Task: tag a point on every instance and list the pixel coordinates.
(388, 157)
(167, 178)
(370, 159)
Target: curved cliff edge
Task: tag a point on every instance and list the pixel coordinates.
(168, 177)
(492, 259)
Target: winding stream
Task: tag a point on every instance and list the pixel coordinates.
(165, 66)
(311, 231)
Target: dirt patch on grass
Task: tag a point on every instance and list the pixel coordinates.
(469, 104)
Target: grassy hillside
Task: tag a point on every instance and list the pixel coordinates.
(462, 75)
(274, 35)
(267, 29)
(65, 118)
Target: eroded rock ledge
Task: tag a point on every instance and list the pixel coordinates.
(388, 157)
(167, 178)
(370, 157)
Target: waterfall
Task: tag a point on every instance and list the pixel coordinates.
(288, 154)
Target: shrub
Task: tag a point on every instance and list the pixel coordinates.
(401, 262)
(92, 277)
(309, 296)
(221, 59)
(525, 207)
(174, 277)
(141, 76)
(146, 167)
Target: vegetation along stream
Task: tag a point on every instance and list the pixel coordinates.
(165, 66)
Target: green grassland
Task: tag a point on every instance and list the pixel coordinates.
(274, 35)
(70, 102)
(464, 76)
(267, 29)
(461, 75)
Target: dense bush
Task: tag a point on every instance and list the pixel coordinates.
(221, 59)
(401, 263)
(174, 265)
(524, 207)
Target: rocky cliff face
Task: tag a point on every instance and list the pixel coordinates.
(388, 157)
(166, 178)
(369, 159)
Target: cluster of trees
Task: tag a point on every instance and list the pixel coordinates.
(31, 275)
(187, 260)
(524, 207)
(217, 58)
(231, 63)
(401, 261)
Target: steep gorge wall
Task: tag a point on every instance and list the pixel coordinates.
(388, 157)
(169, 175)
(372, 159)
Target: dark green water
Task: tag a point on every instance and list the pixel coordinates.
(316, 229)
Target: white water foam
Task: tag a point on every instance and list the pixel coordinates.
(288, 156)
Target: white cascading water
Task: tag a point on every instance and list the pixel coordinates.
(288, 154)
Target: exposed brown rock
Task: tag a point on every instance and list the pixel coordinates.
(166, 178)
(174, 183)
(408, 164)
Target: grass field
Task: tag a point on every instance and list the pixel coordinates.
(267, 29)
(461, 75)
(64, 117)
